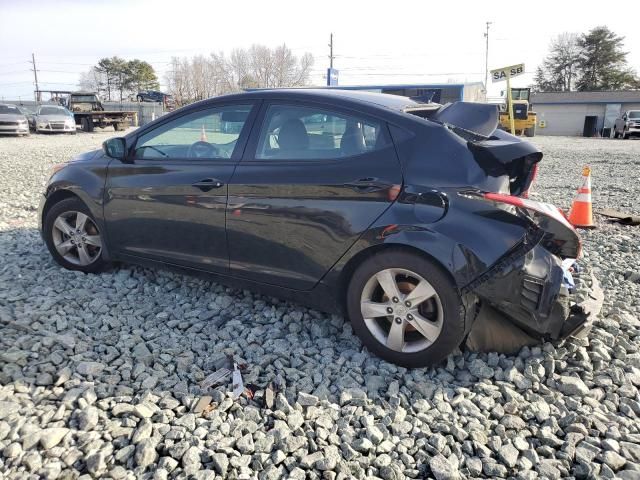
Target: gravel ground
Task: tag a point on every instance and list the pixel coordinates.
(99, 373)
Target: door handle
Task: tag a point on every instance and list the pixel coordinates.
(366, 185)
(208, 184)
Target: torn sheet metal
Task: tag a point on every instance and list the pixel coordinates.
(494, 331)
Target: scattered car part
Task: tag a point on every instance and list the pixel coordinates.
(202, 404)
(215, 378)
(238, 385)
(619, 217)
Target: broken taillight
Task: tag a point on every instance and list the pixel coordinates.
(547, 210)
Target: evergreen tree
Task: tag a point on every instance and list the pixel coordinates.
(603, 62)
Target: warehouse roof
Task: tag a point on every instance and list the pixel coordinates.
(619, 96)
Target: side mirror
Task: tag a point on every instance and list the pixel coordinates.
(115, 148)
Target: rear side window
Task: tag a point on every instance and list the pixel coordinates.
(294, 132)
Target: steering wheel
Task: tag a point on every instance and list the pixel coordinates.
(202, 149)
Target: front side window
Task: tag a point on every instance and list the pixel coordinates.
(206, 134)
(292, 132)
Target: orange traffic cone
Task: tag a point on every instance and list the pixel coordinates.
(581, 214)
(203, 134)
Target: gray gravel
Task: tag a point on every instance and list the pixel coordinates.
(99, 373)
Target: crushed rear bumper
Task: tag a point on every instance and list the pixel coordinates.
(526, 288)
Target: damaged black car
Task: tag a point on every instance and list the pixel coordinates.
(412, 219)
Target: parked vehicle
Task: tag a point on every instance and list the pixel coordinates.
(628, 125)
(52, 118)
(156, 96)
(12, 120)
(524, 119)
(405, 216)
(89, 113)
(30, 114)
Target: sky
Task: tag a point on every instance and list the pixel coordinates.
(375, 42)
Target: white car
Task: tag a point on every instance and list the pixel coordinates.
(53, 118)
(12, 120)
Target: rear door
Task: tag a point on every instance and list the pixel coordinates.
(312, 180)
(169, 203)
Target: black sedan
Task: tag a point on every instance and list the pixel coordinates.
(405, 216)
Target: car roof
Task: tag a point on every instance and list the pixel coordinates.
(8, 105)
(392, 102)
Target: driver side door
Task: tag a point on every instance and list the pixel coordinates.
(168, 202)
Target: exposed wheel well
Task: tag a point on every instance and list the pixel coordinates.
(362, 256)
(55, 197)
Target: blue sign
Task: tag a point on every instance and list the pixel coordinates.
(332, 77)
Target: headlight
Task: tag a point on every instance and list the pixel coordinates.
(42, 125)
(69, 121)
(22, 121)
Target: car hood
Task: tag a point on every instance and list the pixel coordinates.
(53, 118)
(11, 117)
(86, 156)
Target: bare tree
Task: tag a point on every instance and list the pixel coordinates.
(256, 67)
(559, 70)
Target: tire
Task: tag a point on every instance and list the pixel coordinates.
(68, 210)
(118, 127)
(441, 315)
(624, 135)
(615, 133)
(87, 124)
(530, 132)
(139, 98)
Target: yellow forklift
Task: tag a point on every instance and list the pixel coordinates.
(524, 120)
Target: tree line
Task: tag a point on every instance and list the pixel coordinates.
(117, 79)
(595, 60)
(200, 77)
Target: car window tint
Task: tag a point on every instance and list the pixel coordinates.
(206, 134)
(292, 132)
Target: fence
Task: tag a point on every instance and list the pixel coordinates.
(147, 111)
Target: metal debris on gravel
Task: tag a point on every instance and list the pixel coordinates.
(100, 374)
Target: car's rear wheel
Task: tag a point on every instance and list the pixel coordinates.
(73, 237)
(405, 309)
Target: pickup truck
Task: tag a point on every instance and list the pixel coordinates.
(628, 125)
(89, 113)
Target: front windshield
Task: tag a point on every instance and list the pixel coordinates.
(9, 109)
(634, 114)
(53, 111)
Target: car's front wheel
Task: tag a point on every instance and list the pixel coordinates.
(405, 309)
(73, 237)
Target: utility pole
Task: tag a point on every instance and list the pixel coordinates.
(486, 58)
(35, 76)
(331, 51)
(330, 69)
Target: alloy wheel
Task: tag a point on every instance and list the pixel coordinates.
(402, 310)
(77, 238)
